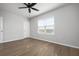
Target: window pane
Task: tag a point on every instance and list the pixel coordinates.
(41, 23)
(49, 29)
(50, 21)
(46, 25)
(41, 29)
(45, 22)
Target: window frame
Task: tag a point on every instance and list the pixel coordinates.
(46, 33)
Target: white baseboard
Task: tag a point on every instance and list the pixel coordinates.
(13, 40)
(56, 43)
(42, 40)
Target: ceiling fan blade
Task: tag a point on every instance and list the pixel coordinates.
(35, 9)
(29, 3)
(25, 4)
(22, 7)
(32, 4)
(29, 10)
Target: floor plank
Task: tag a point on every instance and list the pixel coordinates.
(34, 47)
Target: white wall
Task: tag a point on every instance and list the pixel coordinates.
(1, 29)
(66, 26)
(15, 26)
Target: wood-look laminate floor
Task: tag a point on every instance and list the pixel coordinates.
(34, 47)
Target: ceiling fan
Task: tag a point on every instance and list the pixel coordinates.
(30, 7)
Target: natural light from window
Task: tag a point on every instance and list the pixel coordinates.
(46, 26)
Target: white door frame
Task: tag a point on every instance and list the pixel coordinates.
(1, 29)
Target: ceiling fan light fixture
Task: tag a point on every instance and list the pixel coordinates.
(29, 6)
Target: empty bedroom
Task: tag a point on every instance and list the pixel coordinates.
(39, 29)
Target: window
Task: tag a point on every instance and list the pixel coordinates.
(46, 26)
